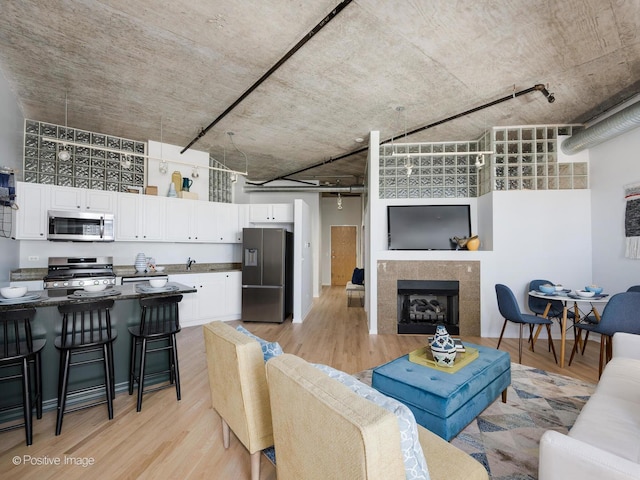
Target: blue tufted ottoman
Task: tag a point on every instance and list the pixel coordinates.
(443, 402)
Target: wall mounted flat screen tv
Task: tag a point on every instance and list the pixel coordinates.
(427, 227)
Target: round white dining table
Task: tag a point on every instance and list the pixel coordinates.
(566, 298)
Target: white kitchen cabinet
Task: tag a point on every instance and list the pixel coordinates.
(187, 308)
(227, 226)
(219, 297)
(140, 217)
(30, 219)
(70, 198)
(204, 223)
(271, 213)
(179, 219)
(233, 294)
(197, 221)
(243, 220)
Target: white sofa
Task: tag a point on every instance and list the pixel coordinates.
(604, 442)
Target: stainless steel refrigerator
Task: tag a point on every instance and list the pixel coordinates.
(267, 274)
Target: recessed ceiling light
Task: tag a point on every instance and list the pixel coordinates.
(359, 139)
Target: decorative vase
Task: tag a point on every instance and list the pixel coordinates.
(443, 348)
(141, 263)
(473, 243)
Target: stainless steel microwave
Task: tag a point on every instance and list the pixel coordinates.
(80, 226)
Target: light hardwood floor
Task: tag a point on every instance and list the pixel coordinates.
(171, 439)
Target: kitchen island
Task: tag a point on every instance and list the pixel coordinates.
(48, 323)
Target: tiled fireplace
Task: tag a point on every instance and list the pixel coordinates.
(465, 273)
(425, 304)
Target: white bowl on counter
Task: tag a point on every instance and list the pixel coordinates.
(13, 292)
(585, 294)
(159, 269)
(157, 282)
(95, 288)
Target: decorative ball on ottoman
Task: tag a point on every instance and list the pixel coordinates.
(443, 348)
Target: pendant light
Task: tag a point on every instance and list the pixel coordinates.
(163, 167)
(64, 155)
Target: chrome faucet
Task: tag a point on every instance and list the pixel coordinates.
(189, 263)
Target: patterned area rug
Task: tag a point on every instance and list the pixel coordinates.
(505, 436)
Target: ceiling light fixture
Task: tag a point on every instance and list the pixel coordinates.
(408, 165)
(64, 154)
(549, 96)
(125, 160)
(163, 168)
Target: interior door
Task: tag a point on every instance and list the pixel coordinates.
(343, 253)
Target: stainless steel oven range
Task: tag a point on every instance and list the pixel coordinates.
(66, 274)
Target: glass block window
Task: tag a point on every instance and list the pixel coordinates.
(428, 170)
(524, 158)
(220, 183)
(88, 166)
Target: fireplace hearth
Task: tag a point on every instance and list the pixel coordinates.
(425, 304)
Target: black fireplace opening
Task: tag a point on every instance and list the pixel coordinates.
(425, 304)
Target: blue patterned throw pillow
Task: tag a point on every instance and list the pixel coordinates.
(414, 462)
(269, 349)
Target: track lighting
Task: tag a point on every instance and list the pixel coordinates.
(549, 96)
(408, 165)
(125, 161)
(64, 154)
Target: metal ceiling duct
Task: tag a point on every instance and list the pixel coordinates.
(621, 122)
(305, 189)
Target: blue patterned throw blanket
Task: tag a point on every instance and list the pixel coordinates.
(632, 220)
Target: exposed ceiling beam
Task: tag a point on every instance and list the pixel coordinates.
(538, 87)
(269, 72)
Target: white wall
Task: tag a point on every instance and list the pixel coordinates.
(613, 165)
(303, 267)
(172, 154)
(11, 138)
(351, 214)
(537, 234)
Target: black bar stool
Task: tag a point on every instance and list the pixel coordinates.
(159, 324)
(18, 351)
(86, 329)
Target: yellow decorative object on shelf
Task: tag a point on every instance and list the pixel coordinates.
(176, 178)
(473, 243)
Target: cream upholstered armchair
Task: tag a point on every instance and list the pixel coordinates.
(322, 429)
(239, 391)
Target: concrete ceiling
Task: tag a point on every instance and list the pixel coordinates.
(130, 66)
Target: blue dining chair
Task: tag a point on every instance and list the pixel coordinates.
(620, 315)
(634, 288)
(510, 310)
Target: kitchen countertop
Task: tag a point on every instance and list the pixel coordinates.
(30, 274)
(127, 292)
